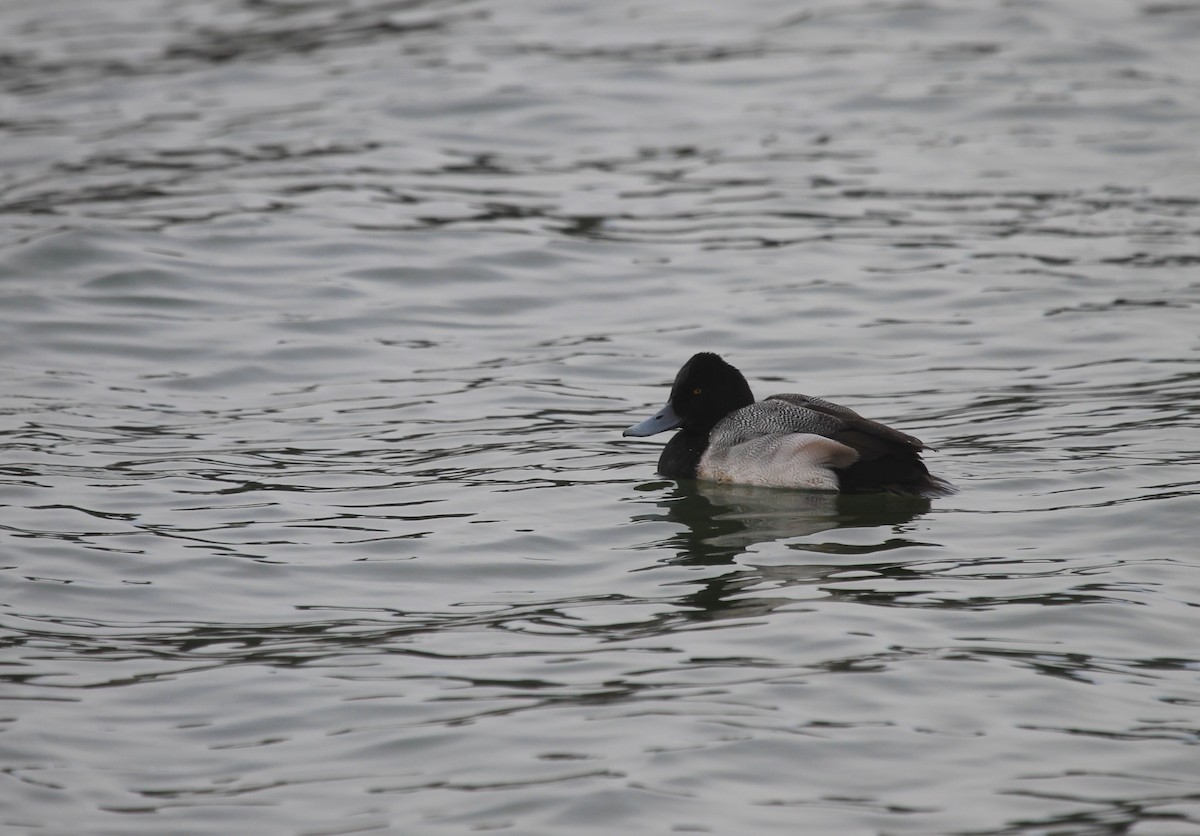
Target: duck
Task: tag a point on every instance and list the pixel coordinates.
(783, 441)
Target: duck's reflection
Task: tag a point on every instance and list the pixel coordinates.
(719, 522)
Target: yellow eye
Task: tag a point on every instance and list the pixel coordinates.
(696, 391)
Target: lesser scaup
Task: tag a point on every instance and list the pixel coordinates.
(784, 441)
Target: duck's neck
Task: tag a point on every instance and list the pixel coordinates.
(681, 455)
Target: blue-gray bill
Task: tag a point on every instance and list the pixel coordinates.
(664, 420)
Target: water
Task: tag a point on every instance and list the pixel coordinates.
(322, 321)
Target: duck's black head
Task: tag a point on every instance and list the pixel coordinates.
(705, 391)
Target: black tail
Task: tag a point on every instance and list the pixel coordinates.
(901, 472)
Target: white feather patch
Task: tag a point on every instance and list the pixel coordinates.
(789, 460)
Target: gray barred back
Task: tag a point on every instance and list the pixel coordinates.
(776, 416)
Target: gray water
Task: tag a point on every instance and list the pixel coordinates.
(322, 321)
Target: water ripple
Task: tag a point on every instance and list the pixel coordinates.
(324, 320)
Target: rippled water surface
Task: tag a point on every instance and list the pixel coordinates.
(322, 321)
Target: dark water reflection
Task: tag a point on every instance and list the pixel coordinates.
(723, 521)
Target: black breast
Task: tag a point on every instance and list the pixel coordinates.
(681, 455)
